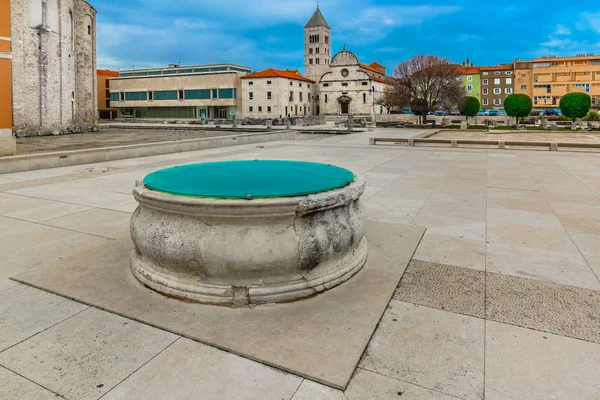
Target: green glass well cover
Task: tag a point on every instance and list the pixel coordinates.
(252, 179)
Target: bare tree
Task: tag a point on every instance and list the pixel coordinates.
(393, 97)
(432, 80)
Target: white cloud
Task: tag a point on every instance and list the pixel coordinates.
(562, 30)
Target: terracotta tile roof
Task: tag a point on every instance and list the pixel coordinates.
(278, 73)
(376, 65)
(469, 70)
(365, 66)
(105, 72)
(505, 67)
(387, 80)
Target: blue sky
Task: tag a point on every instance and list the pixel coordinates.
(269, 33)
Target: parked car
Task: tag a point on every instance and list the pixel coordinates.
(407, 110)
(440, 113)
(481, 113)
(455, 112)
(552, 112)
(493, 113)
(502, 113)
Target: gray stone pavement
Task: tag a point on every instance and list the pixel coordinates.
(502, 305)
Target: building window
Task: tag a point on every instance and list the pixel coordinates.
(326, 85)
(485, 73)
(291, 83)
(114, 97)
(259, 108)
(180, 94)
(268, 82)
(344, 84)
(149, 95)
(250, 108)
(497, 90)
(300, 84)
(485, 102)
(165, 95)
(509, 81)
(215, 94)
(122, 96)
(485, 90)
(523, 87)
(497, 102)
(268, 95)
(291, 96)
(310, 51)
(470, 78)
(250, 83)
(300, 96)
(508, 90)
(310, 61)
(317, 62)
(89, 29)
(227, 93)
(326, 39)
(325, 98)
(269, 109)
(250, 95)
(365, 83)
(317, 50)
(497, 73)
(198, 94)
(469, 88)
(497, 81)
(364, 97)
(485, 82)
(509, 72)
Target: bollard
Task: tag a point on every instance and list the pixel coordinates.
(553, 146)
(411, 142)
(372, 141)
(501, 145)
(454, 143)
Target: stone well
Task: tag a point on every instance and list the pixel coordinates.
(256, 232)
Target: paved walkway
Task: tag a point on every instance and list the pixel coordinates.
(501, 301)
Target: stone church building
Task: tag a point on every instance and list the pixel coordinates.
(337, 85)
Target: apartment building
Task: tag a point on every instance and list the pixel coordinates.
(471, 79)
(497, 83)
(547, 79)
(204, 91)
(275, 93)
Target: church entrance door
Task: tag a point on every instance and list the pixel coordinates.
(345, 107)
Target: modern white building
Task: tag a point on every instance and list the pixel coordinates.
(274, 93)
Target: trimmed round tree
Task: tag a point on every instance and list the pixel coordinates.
(575, 105)
(420, 107)
(470, 106)
(518, 106)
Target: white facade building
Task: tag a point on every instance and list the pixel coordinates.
(274, 93)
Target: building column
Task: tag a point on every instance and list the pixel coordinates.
(7, 140)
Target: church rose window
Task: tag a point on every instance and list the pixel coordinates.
(345, 72)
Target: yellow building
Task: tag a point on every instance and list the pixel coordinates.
(547, 79)
(7, 141)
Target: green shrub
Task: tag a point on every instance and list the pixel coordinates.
(470, 106)
(593, 115)
(575, 105)
(518, 105)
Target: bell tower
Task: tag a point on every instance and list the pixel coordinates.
(317, 46)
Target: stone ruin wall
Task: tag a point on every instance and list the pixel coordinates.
(54, 67)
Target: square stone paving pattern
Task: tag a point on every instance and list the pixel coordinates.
(500, 301)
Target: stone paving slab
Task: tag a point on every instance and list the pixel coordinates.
(560, 309)
(525, 364)
(430, 348)
(321, 338)
(88, 354)
(15, 387)
(188, 370)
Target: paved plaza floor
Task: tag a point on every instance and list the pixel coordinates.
(501, 300)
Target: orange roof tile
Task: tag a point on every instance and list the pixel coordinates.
(376, 65)
(504, 67)
(277, 73)
(470, 70)
(106, 72)
(365, 66)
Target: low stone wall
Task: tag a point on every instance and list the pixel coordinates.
(77, 157)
